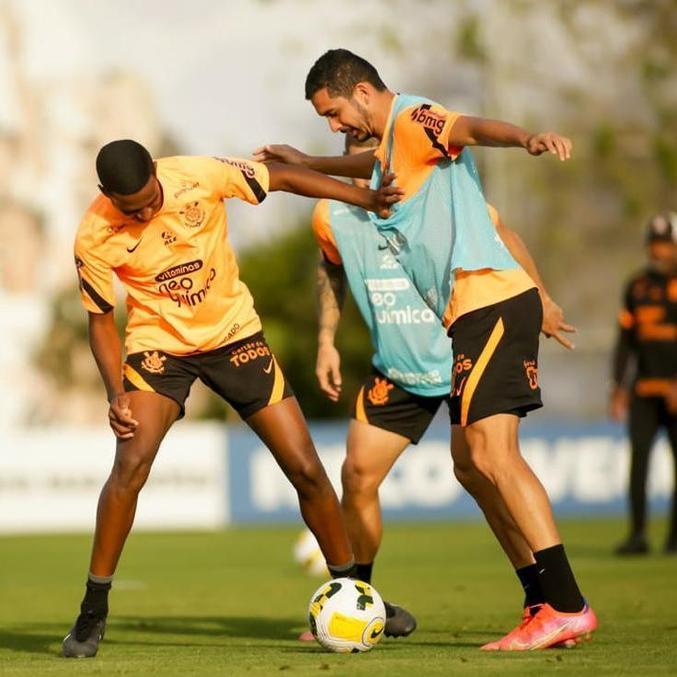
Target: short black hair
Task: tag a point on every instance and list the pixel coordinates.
(339, 70)
(124, 167)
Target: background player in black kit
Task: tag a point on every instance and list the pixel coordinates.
(645, 370)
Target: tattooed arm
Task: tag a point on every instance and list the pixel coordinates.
(331, 290)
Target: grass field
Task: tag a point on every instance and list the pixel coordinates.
(232, 603)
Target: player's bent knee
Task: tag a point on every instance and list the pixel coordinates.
(481, 460)
(465, 473)
(356, 479)
(309, 478)
(131, 472)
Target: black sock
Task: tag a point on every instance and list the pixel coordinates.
(95, 601)
(343, 570)
(363, 571)
(557, 580)
(533, 594)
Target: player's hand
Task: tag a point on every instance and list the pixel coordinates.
(618, 404)
(120, 417)
(554, 324)
(328, 371)
(279, 152)
(385, 197)
(552, 142)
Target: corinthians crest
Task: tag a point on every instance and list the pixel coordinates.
(193, 215)
(379, 393)
(154, 363)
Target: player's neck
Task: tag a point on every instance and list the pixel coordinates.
(382, 108)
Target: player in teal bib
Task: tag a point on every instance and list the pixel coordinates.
(440, 235)
(412, 367)
(399, 321)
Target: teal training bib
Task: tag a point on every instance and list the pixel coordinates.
(411, 347)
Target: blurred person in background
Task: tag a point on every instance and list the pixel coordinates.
(645, 373)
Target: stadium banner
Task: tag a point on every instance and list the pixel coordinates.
(584, 467)
(50, 479)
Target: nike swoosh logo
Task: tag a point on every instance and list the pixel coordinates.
(268, 368)
(376, 633)
(545, 640)
(131, 249)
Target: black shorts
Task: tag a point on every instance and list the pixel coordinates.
(496, 360)
(244, 373)
(384, 404)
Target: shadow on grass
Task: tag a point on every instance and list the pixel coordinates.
(144, 630)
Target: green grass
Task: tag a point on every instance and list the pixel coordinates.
(232, 603)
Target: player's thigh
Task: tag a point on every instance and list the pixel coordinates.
(460, 451)
(155, 414)
(283, 429)
(493, 441)
(643, 422)
(371, 453)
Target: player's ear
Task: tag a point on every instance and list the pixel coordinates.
(362, 92)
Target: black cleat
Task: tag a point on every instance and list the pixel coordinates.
(399, 622)
(634, 545)
(83, 639)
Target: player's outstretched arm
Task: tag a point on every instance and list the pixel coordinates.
(104, 342)
(304, 181)
(553, 316)
(472, 131)
(356, 166)
(331, 290)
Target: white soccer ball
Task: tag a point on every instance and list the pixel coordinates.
(347, 615)
(307, 553)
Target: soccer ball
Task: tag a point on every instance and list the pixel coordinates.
(307, 553)
(346, 615)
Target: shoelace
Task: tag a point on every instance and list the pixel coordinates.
(85, 624)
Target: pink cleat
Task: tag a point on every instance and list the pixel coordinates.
(528, 613)
(306, 636)
(548, 628)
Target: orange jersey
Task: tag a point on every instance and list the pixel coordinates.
(323, 233)
(184, 294)
(421, 140)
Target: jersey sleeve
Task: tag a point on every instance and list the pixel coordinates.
(95, 275)
(239, 178)
(424, 131)
(323, 233)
